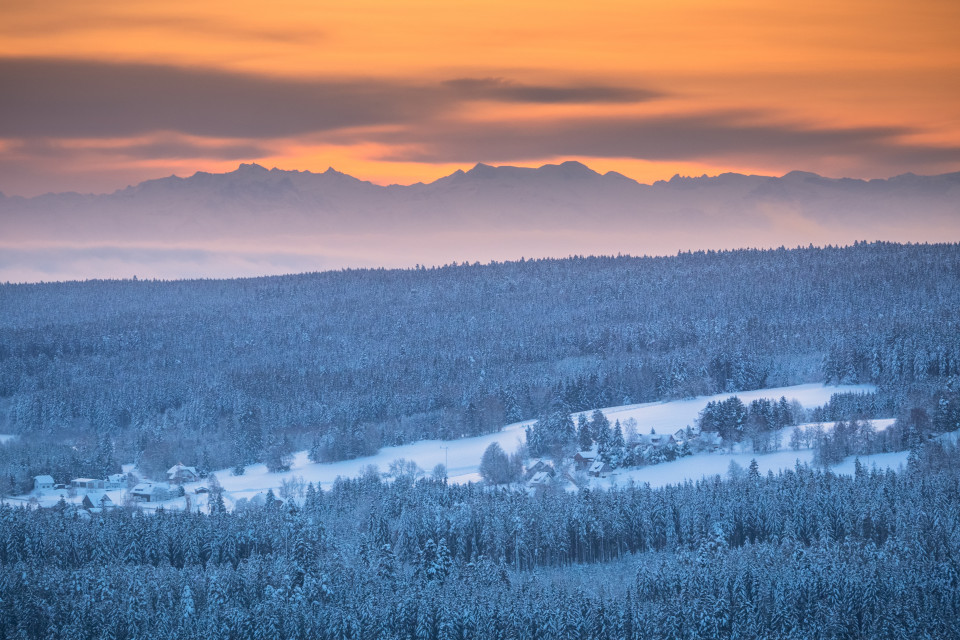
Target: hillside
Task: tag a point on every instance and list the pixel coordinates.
(342, 363)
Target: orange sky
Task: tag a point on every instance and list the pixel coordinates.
(100, 94)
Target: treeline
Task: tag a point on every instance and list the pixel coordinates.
(344, 362)
(800, 554)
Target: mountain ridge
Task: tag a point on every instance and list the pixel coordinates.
(568, 168)
(485, 213)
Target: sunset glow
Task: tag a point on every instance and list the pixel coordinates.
(99, 95)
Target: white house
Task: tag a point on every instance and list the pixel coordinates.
(42, 483)
(178, 474)
(151, 492)
(116, 481)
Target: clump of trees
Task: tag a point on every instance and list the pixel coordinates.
(496, 467)
(760, 423)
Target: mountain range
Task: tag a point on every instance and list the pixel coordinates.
(332, 220)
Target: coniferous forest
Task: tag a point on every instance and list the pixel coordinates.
(233, 372)
(227, 372)
(804, 554)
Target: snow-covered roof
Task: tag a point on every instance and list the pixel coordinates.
(598, 465)
(98, 498)
(86, 480)
(43, 479)
(180, 468)
(655, 438)
(590, 454)
(116, 477)
(541, 477)
(538, 464)
(149, 488)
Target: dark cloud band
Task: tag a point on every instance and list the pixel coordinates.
(58, 98)
(204, 113)
(722, 135)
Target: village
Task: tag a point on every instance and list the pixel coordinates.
(94, 495)
(89, 496)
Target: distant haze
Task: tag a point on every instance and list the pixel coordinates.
(254, 221)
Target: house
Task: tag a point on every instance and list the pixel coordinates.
(538, 465)
(540, 480)
(151, 492)
(599, 469)
(709, 440)
(97, 500)
(116, 481)
(42, 483)
(680, 435)
(656, 440)
(179, 474)
(584, 459)
(88, 483)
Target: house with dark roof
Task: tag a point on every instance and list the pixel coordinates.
(584, 459)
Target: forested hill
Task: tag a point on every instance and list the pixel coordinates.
(363, 358)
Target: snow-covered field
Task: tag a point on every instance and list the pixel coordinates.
(667, 417)
(462, 457)
(703, 465)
